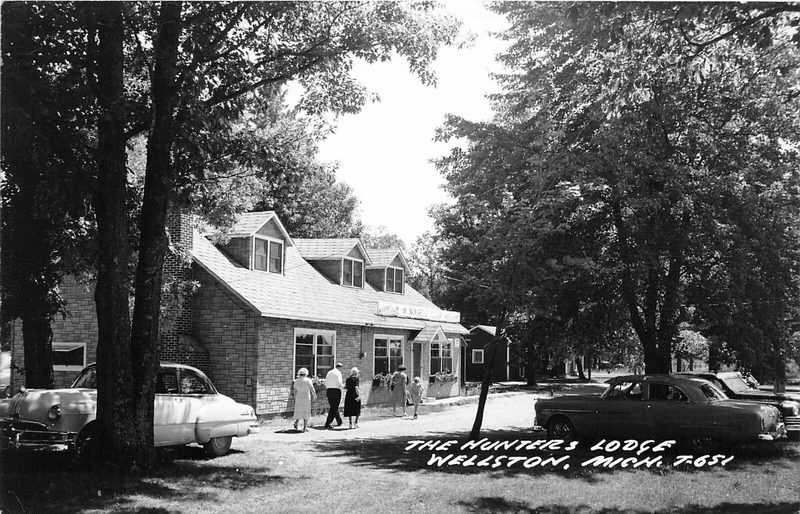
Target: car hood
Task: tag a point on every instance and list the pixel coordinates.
(33, 404)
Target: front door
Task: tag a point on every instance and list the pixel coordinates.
(416, 370)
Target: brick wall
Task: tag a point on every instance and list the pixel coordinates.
(239, 248)
(331, 269)
(377, 277)
(228, 331)
(276, 362)
(79, 326)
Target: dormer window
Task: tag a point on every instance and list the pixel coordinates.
(353, 273)
(268, 255)
(394, 280)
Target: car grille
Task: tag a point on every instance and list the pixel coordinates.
(792, 422)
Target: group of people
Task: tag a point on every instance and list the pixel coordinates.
(304, 395)
(400, 391)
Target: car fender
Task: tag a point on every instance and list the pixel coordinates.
(223, 417)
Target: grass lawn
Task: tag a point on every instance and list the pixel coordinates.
(368, 470)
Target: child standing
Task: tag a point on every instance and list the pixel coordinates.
(416, 394)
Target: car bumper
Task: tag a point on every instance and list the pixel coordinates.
(31, 435)
(778, 433)
(792, 423)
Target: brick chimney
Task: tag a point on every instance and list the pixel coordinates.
(177, 343)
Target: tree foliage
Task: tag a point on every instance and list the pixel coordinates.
(645, 171)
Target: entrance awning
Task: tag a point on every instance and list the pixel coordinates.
(431, 332)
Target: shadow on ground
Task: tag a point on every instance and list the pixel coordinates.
(493, 504)
(580, 463)
(53, 482)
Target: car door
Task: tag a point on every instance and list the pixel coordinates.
(666, 410)
(195, 393)
(170, 410)
(620, 410)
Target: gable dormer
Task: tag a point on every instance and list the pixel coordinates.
(258, 241)
(342, 261)
(388, 271)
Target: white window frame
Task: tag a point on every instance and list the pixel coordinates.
(439, 343)
(389, 338)
(361, 262)
(315, 332)
(475, 354)
(386, 279)
(69, 347)
(269, 253)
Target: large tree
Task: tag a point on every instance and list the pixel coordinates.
(656, 148)
(44, 122)
(200, 66)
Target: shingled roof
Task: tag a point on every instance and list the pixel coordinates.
(384, 257)
(302, 293)
(329, 249)
(249, 223)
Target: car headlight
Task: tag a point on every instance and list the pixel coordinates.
(54, 413)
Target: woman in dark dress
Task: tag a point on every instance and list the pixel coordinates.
(352, 398)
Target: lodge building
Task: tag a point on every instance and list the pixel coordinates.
(266, 305)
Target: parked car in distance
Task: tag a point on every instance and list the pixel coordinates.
(660, 407)
(188, 409)
(739, 387)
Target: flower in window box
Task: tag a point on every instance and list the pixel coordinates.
(381, 380)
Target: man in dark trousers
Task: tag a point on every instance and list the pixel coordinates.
(334, 386)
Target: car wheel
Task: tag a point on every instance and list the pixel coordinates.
(703, 444)
(561, 428)
(87, 446)
(218, 446)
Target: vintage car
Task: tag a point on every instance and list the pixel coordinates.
(660, 407)
(188, 409)
(740, 387)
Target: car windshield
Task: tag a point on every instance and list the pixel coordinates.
(712, 393)
(87, 379)
(737, 383)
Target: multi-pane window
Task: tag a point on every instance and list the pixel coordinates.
(477, 356)
(353, 273)
(314, 350)
(268, 255)
(275, 257)
(394, 280)
(69, 356)
(388, 354)
(441, 356)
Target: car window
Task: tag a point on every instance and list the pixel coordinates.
(737, 384)
(166, 381)
(87, 379)
(191, 383)
(625, 390)
(665, 392)
(712, 393)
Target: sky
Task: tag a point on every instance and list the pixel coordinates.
(385, 151)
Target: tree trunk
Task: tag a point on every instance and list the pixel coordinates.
(115, 393)
(153, 239)
(579, 366)
(27, 271)
(499, 340)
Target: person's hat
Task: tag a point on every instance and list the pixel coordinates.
(302, 371)
(401, 368)
(339, 365)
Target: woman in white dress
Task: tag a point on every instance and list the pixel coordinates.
(303, 390)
